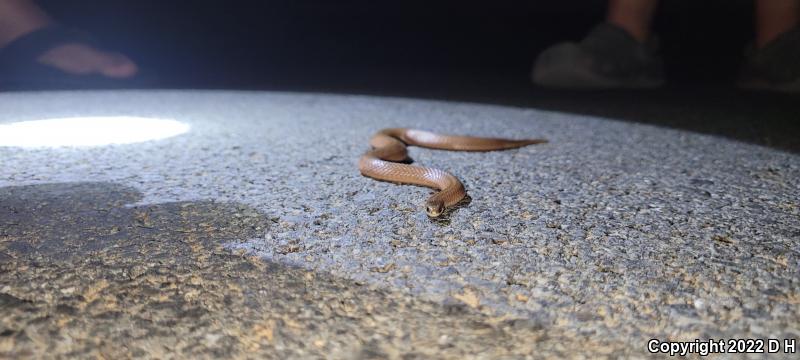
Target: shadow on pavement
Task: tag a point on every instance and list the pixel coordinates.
(84, 275)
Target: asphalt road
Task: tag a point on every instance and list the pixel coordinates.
(254, 234)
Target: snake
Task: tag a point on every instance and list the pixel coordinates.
(387, 160)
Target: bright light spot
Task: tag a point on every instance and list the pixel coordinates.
(88, 131)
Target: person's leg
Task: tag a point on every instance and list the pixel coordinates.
(635, 16)
(618, 53)
(20, 17)
(772, 62)
(773, 18)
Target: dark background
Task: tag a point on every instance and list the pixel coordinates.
(257, 43)
(454, 50)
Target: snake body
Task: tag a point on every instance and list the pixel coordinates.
(389, 148)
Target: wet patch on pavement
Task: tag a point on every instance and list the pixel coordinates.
(84, 274)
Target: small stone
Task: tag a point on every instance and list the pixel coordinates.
(383, 269)
(468, 297)
(499, 241)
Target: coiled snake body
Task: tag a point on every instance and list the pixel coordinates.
(389, 147)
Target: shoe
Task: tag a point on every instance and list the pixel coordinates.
(20, 70)
(775, 67)
(609, 57)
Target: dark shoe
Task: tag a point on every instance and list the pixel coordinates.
(20, 70)
(609, 57)
(775, 67)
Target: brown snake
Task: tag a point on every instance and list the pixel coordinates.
(389, 147)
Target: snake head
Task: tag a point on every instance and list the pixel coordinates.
(434, 209)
